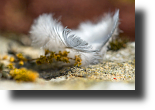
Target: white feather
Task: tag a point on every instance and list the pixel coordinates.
(98, 34)
(89, 40)
(46, 32)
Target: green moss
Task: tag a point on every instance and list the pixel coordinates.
(117, 44)
(1, 66)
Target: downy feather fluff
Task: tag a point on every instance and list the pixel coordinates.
(90, 40)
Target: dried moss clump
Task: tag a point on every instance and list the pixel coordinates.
(118, 44)
(10, 66)
(61, 56)
(24, 75)
(77, 61)
(21, 57)
(1, 66)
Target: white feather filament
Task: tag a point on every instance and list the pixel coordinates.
(89, 40)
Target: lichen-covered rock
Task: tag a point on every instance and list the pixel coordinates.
(116, 72)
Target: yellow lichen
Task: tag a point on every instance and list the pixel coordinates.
(12, 59)
(65, 53)
(47, 52)
(77, 61)
(58, 58)
(23, 74)
(10, 66)
(21, 63)
(50, 55)
(20, 57)
(65, 59)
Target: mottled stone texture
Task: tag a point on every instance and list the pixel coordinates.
(18, 15)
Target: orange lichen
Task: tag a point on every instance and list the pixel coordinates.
(5, 57)
(23, 74)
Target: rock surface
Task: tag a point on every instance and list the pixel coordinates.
(74, 84)
(117, 72)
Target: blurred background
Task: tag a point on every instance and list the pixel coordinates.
(16, 16)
